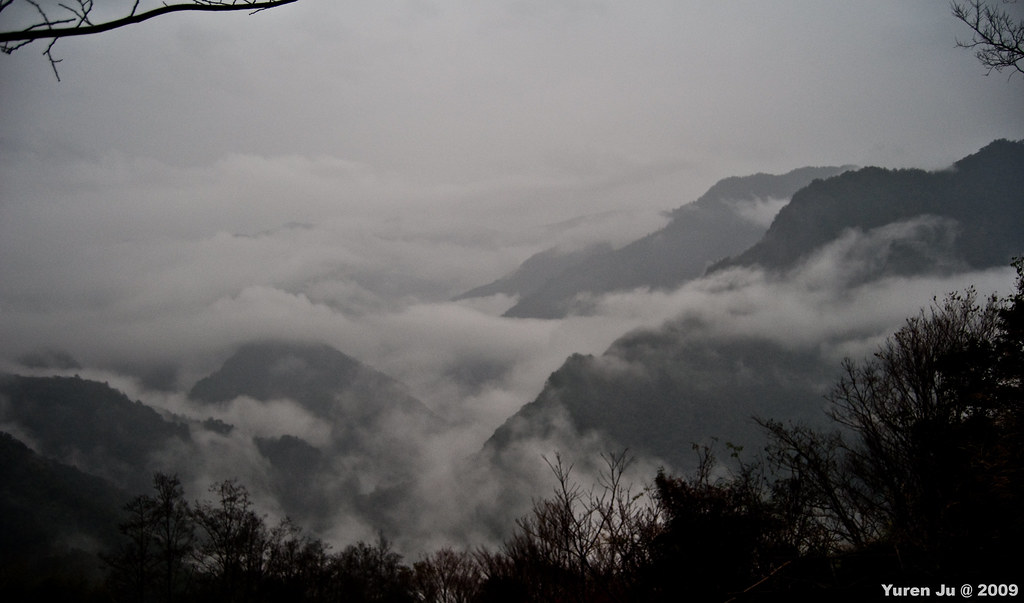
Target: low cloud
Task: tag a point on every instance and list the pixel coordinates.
(759, 211)
(362, 260)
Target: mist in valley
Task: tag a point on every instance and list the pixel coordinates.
(381, 262)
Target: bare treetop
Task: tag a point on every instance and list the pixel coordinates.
(998, 38)
(53, 19)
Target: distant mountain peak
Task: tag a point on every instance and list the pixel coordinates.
(322, 379)
(763, 186)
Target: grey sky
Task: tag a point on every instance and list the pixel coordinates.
(465, 92)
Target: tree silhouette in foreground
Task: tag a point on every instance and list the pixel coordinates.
(923, 477)
(224, 550)
(581, 544)
(47, 20)
(153, 562)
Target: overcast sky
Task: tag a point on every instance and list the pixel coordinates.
(427, 147)
(451, 95)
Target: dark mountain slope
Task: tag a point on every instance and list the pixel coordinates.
(89, 425)
(656, 393)
(721, 222)
(981, 197)
(50, 510)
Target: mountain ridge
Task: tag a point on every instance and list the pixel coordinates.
(91, 425)
(659, 390)
(698, 233)
(980, 192)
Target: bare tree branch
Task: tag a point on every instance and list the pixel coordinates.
(74, 19)
(998, 39)
(84, 27)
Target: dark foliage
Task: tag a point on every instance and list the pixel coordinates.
(924, 477)
(582, 544)
(720, 538)
(223, 550)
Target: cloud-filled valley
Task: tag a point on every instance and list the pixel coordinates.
(382, 262)
(652, 369)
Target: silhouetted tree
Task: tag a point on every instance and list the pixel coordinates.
(582, 544)
(722, 535)
(152, 565)
(817, 492)
(174, 536)
(925, 473)
(223, 550)
(448, 576)
(133, 566)
(374, 573)
(298, 567)
(233, 550)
